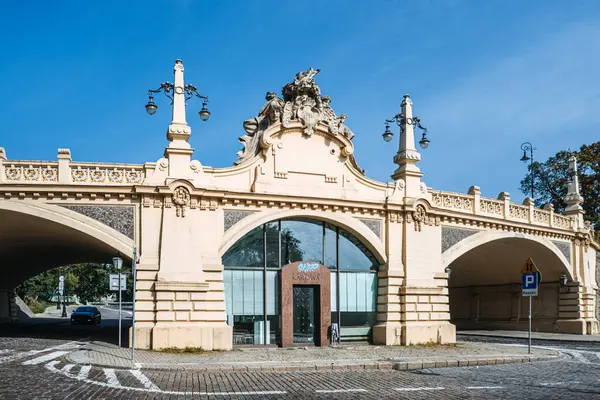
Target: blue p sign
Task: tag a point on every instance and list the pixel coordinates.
(530, 283)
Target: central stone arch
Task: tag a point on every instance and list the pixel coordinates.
(291, 277)
(485, 281)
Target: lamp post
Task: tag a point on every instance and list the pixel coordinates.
(118, 264)
(528, 147)
(402, 121)
(171, 91)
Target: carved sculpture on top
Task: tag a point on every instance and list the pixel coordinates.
(302, 101)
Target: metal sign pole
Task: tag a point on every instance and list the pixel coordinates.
(119, 308)
(133, 266)
(529, 347)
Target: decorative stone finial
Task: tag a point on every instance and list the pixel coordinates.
(407, 156)
(2, 154)
(302, 101)
(573, 197)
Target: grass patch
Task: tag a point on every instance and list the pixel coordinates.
(37, 306)
(431, 344)
(190, 350)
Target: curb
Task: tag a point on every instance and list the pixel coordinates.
(379, 365)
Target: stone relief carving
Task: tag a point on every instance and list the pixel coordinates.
(564, 248)
(231, 218)
(419, 216)
(181, 198)
(120, 218)
(374, 225)
(302, 101)
(451, 236)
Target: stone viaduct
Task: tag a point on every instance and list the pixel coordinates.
(407, 263)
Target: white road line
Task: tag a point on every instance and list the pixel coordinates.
(485, 387)
(67, 368)
(43, 359)
(144, 380)
(579, 357)
(340, 390)
(51, 366)
(418, 389)
(84, 371)
(25, 354)
(111, 378)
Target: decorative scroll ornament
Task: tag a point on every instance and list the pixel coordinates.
(419, 216)
(302, 101)
(181, 199)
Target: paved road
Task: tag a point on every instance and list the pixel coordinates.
(35, 368)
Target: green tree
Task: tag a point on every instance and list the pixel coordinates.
(551, 177)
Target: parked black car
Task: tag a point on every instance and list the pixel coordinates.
(86, 315)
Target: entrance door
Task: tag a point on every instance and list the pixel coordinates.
(306, 322)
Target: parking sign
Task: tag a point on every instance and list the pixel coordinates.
(530, 283)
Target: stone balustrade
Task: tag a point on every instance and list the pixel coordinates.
(474, 204)
(65, 171)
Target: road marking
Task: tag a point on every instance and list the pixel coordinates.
(418, 389)
(111, 378)
(340, 390)
(13, 357)
(67, 368)
(51, 366)
(47, 357)
(144, 380)
(485, 387)
(579, 357)
(84, 371)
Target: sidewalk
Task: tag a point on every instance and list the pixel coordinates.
(346, 357)
(563, 337)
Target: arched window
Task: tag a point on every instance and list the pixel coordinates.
(250, 278)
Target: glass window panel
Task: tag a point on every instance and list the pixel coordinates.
(272, 293)
(343, 292)
(238, 292)
(301, 240)
(272, 235)
(334, 293)
(227, 278)
(361, 291)
(354, 255)
(351, 288)
(330, 246)
(258, 291)
(371, 281)
(246, 252)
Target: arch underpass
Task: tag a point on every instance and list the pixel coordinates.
(38, 237)
(485, 282)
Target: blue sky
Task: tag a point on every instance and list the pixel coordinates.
(484, 77)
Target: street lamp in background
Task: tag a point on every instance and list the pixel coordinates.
(169, 89)
(528, 147)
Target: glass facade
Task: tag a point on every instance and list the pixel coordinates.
(251, 278)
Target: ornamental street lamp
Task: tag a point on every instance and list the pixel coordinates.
(170, 90)
(528, 147)
(402, 121)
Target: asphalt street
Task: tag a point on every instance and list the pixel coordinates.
(32, 365)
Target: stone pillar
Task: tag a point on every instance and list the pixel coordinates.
(64, 167)
(388, 329)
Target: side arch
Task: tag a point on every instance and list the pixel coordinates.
(74, 220)
(481, 238)
(352, 225)
(35, 237)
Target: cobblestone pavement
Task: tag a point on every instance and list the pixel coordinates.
(33, 368)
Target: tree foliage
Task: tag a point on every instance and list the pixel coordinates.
(90, 282)
(551, 176)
